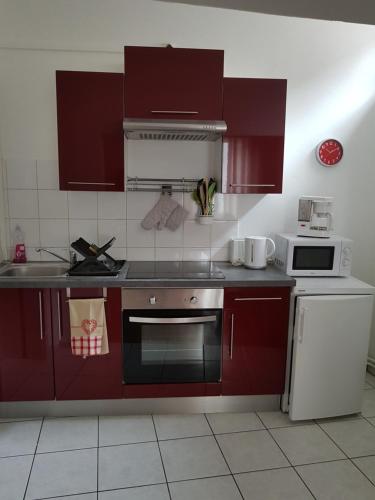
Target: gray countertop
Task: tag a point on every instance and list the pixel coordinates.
(234, 277)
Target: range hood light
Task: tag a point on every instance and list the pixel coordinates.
(173, 130)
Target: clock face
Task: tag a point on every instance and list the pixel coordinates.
(329, 152)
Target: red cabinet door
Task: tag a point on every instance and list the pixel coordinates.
(90, 131)
(255, 340)
(253, 146)
(26, 364)
(94, 377)
(173, 83)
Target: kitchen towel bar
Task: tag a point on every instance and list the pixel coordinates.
(104, 294)
(180, 185)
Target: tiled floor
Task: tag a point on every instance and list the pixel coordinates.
(237, 456)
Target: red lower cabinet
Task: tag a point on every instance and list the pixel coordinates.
(255, 330)
(95, 377)
(26, 362)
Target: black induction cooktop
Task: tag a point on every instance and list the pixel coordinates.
(174, 270)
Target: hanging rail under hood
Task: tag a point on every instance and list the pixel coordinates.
(173, 130)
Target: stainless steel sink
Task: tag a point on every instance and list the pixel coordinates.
(34, 270)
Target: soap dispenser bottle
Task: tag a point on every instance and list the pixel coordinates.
(19, 246)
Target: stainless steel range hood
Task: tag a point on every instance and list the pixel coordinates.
(173, 130)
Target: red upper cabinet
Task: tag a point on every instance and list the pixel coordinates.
(255, 332)
(90, 131)
(173, 83)
(94, 377)
(253, 146)
(26, 364)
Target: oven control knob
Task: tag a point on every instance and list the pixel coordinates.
(152, 300)
(193, 300)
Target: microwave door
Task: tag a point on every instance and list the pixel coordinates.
(314, 259)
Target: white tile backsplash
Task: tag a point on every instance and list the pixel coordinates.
(108, 229)
(196, 235)
(54, 233)
(190, 206)
(83, 204)
(23, 203)
(53, 204)
(138, 204)
(196, 254)
(21, 173)
(226, 206)
(47, 174)
(168, 253)
(111, 205)
(140, 253)
(220, 254)
(222, 232)
(85, 228)
(54, 218)
(167, 238)
(136, 236)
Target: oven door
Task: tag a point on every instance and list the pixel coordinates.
(172, 346)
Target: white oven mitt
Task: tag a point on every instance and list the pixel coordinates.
(176, 218)
(157, 216)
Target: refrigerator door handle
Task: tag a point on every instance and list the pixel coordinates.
(302, 324)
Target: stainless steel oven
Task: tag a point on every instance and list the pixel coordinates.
(172, 335)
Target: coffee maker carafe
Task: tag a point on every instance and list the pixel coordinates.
(315, 216)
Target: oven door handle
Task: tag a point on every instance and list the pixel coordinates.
(161, 321)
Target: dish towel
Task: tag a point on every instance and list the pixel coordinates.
(157, 216)
(88, 327)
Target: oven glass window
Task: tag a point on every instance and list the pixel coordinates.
(184, 345)
(313, 258)
(188, 350)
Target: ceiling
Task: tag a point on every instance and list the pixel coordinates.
(359, 11)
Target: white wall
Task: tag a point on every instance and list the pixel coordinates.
(330, 69)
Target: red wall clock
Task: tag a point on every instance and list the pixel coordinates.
(329, 152)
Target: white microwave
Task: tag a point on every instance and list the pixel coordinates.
(304, 256)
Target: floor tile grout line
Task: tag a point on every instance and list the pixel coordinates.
(333, 441)
(367, 420)
(287, 459)
(71, 495)
(33, 460)
(161, 457)
(349, 458)
(225, 460)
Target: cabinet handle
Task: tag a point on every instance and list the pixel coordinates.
(58, 316)
(174, 112)
(302, 319)
(231, 336)
(252, 185)
(40, 315)
(93, 183)
(243, 299)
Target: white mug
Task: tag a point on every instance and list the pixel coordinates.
(256, 254)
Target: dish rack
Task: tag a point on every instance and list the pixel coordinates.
(91, 265)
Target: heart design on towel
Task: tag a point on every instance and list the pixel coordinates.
(89, 325)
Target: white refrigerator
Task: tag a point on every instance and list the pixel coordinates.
(330, 321)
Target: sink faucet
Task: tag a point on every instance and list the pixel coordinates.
(72, 255)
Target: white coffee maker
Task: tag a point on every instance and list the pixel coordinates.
(315, 216)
